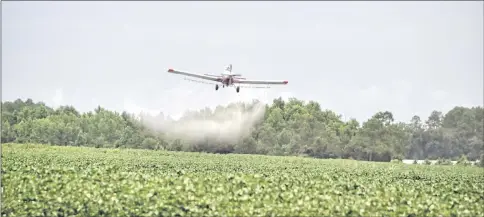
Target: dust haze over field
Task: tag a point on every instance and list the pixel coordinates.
(229, 123)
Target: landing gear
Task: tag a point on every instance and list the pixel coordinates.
(216, 87)
(237, 89)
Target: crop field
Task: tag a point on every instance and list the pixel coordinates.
(42, 180)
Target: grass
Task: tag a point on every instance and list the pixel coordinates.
(41, 180)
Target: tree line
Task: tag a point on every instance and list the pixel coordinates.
(292, 127)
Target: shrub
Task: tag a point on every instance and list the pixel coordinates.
(443, 161)
(481, 160)
(462, 161)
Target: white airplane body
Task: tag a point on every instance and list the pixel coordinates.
(227, 78)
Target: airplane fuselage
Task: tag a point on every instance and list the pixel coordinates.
(227, 80)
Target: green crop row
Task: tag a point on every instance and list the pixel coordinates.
(41, 180)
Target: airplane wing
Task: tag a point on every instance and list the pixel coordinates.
(206, 77)
(259, 82)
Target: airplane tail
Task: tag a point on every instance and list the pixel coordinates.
(228, 69)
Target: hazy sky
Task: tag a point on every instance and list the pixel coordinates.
(355, 58)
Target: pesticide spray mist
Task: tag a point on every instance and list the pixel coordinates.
(228, 124)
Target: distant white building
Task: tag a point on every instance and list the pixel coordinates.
(408, 161)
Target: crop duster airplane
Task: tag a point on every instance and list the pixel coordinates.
(227, 78)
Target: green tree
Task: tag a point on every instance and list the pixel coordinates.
(288, 127)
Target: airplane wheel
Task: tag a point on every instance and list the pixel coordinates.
(216, 87)
(237, 89)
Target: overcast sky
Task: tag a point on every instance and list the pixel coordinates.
(355, 58)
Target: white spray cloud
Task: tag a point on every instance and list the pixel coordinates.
(228, 124)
